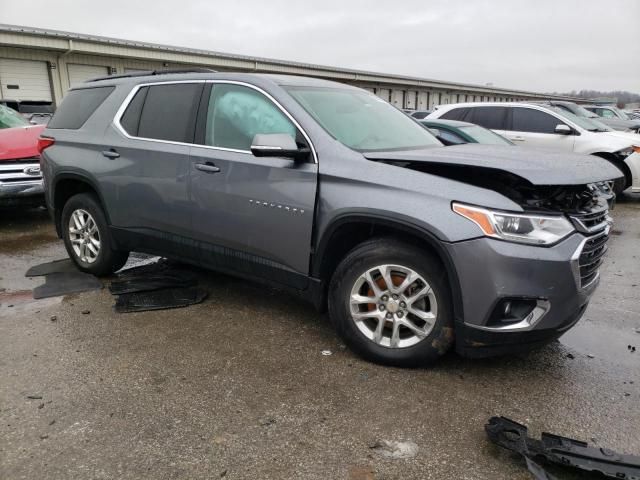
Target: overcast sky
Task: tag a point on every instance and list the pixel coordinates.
(540, 45)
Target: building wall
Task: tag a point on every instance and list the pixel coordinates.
(62, 52)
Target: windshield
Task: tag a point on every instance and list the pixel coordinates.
(485, 136)
(586, 123)
(362, 121)
(9, 118)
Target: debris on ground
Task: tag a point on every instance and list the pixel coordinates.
(326, 353)
(54, 318)
(159, 299)
(86, 312)
(631, 348)
(561, 450)
(64, 265)
(34, 397)
(395, 449)
(265, 422)
(570, 356)
(159, 285)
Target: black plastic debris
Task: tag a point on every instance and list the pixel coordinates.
(159, 299)
(561, 450)
(133, 281)
(537, 471)
(65, 265)
(57, 284)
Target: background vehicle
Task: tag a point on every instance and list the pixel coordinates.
(453, 132)
(330, 192)
(36, 112)
(616, 123)
(20, 177)
(419, 114)
(553, 128)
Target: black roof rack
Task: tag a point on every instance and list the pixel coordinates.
(146, 73)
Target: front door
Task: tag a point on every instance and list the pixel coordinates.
(250, 214)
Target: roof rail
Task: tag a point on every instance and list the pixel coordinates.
(145, 73)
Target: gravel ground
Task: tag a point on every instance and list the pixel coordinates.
(237, 387)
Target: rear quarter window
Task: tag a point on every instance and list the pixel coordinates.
(78, 106)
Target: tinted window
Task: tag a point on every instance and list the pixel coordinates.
(534, 121)
(130, 121)
(488, 117)
(169, 112)
(455, 114)
(78, 106)
(236, 114)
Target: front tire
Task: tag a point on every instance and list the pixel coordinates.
(86, 236)
(391, 303)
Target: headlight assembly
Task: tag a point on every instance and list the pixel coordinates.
(517, 227)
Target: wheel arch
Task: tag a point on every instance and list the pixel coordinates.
(347, 231)
(619, 163)
(67, 185)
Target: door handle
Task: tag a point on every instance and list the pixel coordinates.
(517, 139)
(207, 167)
(111, 153)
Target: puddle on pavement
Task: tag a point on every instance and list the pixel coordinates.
(604, 343)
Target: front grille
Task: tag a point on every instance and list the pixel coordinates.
(591, 258)
(591, 222)
(22, 171)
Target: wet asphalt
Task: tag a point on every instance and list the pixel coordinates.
(237, 387)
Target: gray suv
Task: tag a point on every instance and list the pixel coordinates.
(329, 192)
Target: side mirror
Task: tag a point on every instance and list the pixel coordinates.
(277, 145)
(562, 129)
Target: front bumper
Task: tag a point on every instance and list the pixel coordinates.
(22, 192)
(490, 271)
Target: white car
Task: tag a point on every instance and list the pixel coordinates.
(544, 126)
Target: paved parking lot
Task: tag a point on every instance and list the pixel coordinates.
(238, 387)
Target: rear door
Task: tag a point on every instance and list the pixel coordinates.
(493, 118)
(253, 215)
(146, 160)
(535, 128)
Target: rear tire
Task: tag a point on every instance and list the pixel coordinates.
(423, 321)
(87, 238)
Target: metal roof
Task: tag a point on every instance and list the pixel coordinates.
(361, 75)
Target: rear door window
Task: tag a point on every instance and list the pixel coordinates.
(455, 114)
(130, 121)
(78, 106)
(533, 121)
(169, 112)
(493, 118)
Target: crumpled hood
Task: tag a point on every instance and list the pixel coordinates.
(19, 142)
(539, 167)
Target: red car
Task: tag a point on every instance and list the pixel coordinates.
(20, 177)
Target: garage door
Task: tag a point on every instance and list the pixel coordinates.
(423, 100)
(397, 98)
(24, 80)
(410, 99)
(384, 93)
(79, 73)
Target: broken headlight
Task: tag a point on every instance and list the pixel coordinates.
(517, 227)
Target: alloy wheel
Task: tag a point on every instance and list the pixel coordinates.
(393, 306)
(84, 236)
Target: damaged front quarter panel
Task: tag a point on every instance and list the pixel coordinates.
(537, 181)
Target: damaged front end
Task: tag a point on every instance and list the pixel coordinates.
(528, 271)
